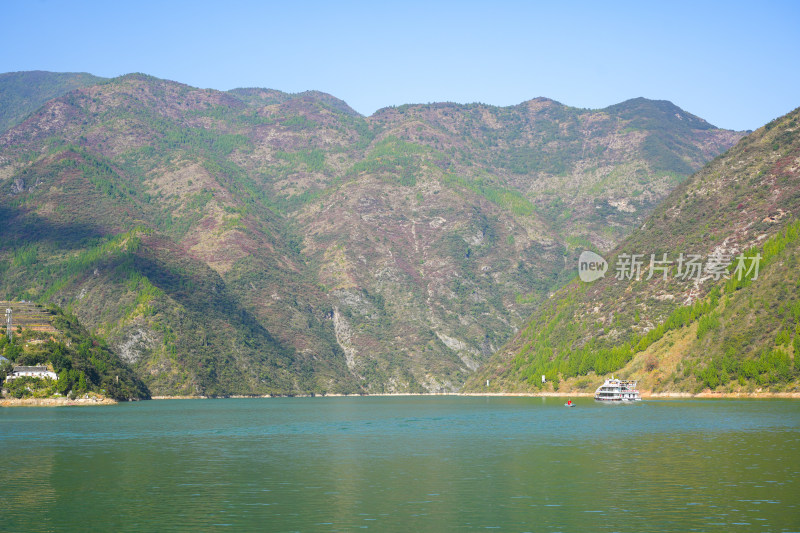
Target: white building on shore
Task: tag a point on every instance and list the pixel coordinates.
(31, 371)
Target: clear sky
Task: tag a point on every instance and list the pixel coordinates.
(735, 64)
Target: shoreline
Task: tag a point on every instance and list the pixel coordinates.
(709, 394)
(646, 395)
(54, 402)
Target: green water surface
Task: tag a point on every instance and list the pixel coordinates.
(402, 464)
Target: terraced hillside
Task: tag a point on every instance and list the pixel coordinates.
(28, 315)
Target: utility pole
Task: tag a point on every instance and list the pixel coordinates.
(9, 330)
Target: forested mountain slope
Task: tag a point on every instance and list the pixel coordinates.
(729, 325)
(254, 241)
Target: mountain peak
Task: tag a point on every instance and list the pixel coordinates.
(327, 99)
(542, 100)
(644, 111)
(259, 96)
(22, 93)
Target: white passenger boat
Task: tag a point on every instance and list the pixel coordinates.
(617, 390)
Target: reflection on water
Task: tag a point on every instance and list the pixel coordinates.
(430, 464)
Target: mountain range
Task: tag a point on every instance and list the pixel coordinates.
(259, 242)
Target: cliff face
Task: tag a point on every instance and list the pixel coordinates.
(716, 302)
(259, 242)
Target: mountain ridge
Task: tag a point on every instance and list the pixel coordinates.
(24, 92)
(358, 254)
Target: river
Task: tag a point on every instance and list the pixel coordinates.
(403, 464)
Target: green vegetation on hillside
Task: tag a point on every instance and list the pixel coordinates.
(83, 363)
(393, 158)
(509, 199)
(555, 356)
(721, 330)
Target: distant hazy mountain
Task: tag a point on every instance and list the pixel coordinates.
(254, 241)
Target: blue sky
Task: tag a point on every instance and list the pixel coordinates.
(735, 64)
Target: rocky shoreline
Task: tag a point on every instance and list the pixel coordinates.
(647, 395)
(54, 402)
